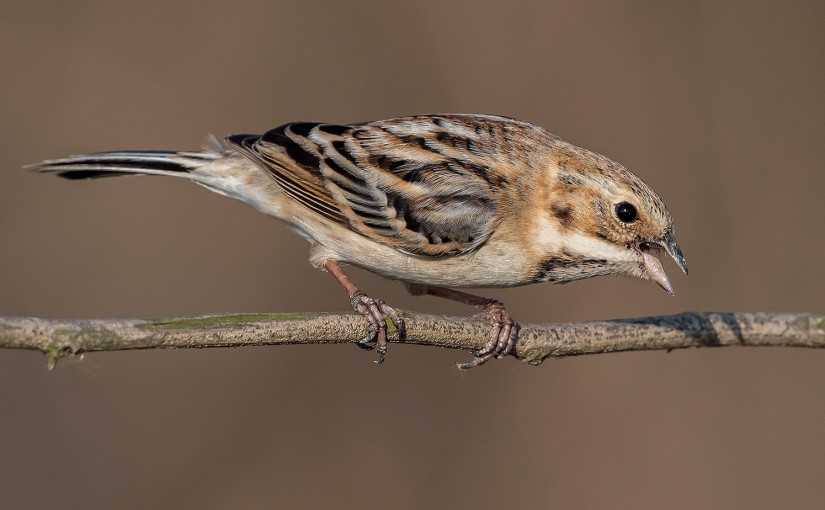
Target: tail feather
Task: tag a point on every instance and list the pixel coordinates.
(111, 164)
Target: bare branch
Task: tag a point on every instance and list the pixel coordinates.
(60, 338)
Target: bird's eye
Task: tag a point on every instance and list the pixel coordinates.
(626, 212)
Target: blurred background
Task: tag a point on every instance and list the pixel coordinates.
(718, 105)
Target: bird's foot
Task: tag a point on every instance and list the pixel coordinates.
(502, 335)
(376, 312)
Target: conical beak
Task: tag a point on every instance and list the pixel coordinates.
(651, 264)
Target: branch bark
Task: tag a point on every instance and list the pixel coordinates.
(58, 338)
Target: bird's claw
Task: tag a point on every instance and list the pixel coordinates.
(502, 335)
(376, 312)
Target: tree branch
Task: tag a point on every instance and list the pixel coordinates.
(59, 338)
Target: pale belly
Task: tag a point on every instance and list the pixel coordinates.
(494, 264)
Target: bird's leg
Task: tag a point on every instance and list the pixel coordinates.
(503, 333)
(374, 310)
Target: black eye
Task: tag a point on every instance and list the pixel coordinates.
(626, 212)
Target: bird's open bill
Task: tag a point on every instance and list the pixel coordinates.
(651, 264)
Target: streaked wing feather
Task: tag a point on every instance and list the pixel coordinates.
(423, 185)
(292, 168)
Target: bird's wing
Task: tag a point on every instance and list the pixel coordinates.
(424, 185)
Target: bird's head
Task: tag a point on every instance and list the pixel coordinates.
(613, 223)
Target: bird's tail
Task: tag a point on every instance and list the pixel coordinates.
(111, 164)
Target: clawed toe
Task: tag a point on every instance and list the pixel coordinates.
(477, 361)
(502, 335)
(376, 312)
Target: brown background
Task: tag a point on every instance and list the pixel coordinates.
(718, 105)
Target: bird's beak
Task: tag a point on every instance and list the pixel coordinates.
(651, 264)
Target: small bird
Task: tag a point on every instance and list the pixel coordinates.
(434, 201)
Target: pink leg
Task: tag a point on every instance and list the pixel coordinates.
(503, 334)
(374, 310)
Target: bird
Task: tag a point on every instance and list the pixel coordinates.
(437, 202)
